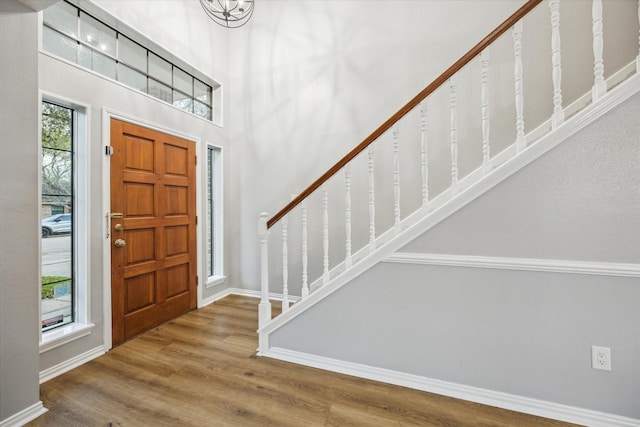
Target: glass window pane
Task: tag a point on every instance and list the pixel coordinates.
(56, 293)
(97, 62)
(201, 110)
(56, 127)
(59, 45)
(97, 35)
(182, 81)
(56, 286)
(160, 91)
(132, 78)
(132, 53)
(182, 101)
(63, 17)
(56, 174)
(159, 69)
(202, 92)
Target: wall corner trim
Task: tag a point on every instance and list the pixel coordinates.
(243, 292)
(459, 391)
(24, 416)
(523, 264)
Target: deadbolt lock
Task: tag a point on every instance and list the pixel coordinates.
(118, 227)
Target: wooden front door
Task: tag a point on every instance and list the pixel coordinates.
(153, 228)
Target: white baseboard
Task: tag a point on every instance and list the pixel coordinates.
(69, 364)
(524, 264)
(459, 391)
(24, 416)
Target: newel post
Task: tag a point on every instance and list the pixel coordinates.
(264, 309)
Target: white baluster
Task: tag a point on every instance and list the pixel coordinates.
(425, 157)
(305, 274)
(484, 76)
(638, 57)
(347, 202)
(396, 178)
(372, 202)
(599, 84)
(558, 113)
(325, 236)
(453, 133)
(521, 142)
(285, 264)
(264, 309)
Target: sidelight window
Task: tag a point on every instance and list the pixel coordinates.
(214, 212)
(58, 208)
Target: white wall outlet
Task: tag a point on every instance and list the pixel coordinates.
(601, 358)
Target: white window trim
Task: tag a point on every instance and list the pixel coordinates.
(82, 325)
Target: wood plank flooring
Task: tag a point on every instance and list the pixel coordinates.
(201, 370)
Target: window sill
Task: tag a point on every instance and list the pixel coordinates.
(215, 281)
(64, 335)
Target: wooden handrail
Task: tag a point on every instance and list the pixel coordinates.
(464, 60)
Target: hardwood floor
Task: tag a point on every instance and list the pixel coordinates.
(201, 370)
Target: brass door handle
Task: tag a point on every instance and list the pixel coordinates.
(119, 243)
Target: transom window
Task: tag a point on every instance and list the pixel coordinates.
(76, 36)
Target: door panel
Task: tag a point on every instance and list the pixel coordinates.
(153, 275)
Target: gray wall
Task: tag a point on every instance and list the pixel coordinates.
(525, 333)
(580, 202)
(19, 151)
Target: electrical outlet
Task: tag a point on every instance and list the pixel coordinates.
(601, 358)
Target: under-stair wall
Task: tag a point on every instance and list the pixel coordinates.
(529, 276)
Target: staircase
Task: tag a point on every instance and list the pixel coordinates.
(454, 144)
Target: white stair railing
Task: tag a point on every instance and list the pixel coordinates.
(521, 142)
(599, 85)
(361, 238)
(424, 155)
(556, 61)
(305, 248)
(453, 134)
(372, 199)
(484, 110)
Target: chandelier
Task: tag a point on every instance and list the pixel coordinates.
(228, 13)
